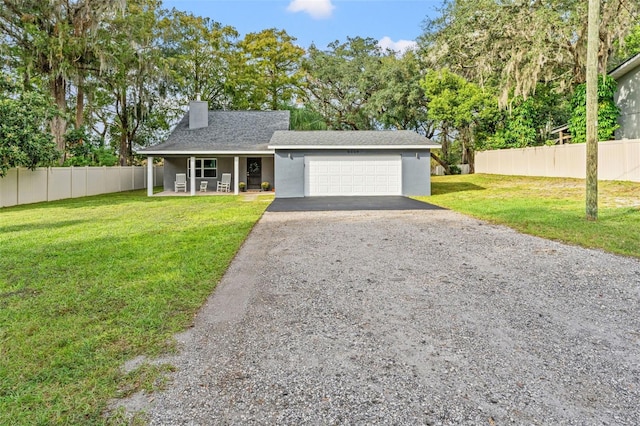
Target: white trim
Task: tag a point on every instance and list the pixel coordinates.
(192, 166)
(355, 147)
(236, 174)
(150, 176)
(202, 169)
(217, 153)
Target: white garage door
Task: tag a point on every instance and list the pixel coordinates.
(353, 175)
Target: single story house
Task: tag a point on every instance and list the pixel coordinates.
(627, 97)
(257, 146)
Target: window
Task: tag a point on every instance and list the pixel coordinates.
(205, 168)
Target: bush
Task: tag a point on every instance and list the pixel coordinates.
(608, 111)
(82, 150)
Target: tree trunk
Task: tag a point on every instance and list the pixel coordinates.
(444, 165)
(472, 160)
(80, 102)
(471, 157)
(59, 123)
(124, 129)
(445, 144)
(123, 148)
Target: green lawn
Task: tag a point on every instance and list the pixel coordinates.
(552, 208)
(87, 284)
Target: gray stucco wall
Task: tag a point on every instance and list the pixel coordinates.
(416, 172)
(289, 174)
(172, 166)
(627, 97)
(268, 170)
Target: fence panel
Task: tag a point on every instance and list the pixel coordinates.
(59, 183)
(139, 174)
(126, 178)
(78, 182)
(95, 181)
(24, 186)
(112, 179)
(32, 185)
(9, 188)
(617, 160)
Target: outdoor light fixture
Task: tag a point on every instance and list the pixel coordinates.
(417, 155)
(290, 156)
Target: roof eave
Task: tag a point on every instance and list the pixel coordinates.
(625, 67)
(205, 152)
(354, 147)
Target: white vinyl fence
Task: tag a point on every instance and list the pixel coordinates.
(617, 160)
(24, 186)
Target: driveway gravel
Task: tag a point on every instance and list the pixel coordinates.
(408, 317)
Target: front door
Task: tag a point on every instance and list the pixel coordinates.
(254, 173)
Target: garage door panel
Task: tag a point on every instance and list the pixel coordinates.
(353, 175)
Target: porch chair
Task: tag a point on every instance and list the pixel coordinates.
(203, 186)
(180, 182)
(224, 184)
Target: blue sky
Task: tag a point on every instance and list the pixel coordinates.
(320, 21)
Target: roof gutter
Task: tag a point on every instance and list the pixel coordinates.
(354, 147)
(190, 153)
(625, 67)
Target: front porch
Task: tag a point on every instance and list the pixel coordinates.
(248, 171)
(249, 195)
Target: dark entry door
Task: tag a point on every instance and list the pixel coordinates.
(254, 173)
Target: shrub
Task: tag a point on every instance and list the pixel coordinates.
(608, 111)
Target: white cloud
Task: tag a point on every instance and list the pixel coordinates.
(399, 46)
(317, 9)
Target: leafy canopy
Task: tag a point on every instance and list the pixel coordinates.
(25, 140)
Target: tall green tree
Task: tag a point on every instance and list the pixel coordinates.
(400, 102)
(135, 78)
(514, 45)
(265, 71)
(198, 52)
(341, 81)
(55, 41)
(460, 108)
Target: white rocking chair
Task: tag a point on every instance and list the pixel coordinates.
(180, 182)
(224, 184)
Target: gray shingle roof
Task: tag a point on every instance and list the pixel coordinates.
(352, 138)
(228, 131)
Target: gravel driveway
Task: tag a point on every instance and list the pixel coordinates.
(409, 317)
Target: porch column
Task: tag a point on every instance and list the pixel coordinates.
(149, 176)
(192, 168)
(236, 174)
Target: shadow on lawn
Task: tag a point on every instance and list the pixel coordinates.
(441, 188)
(42, 225)
(109, 199)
